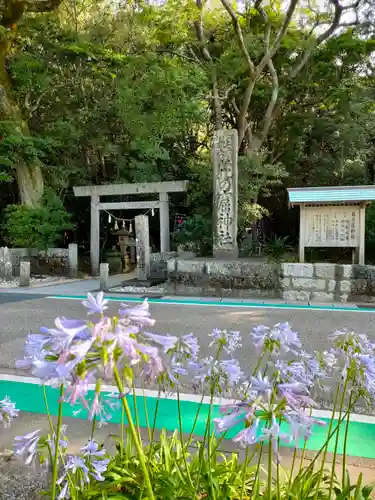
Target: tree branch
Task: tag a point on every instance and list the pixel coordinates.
(268, 117)
(207, 57)
(178, 54)
(276, 44)
(320, 39)
(237, 28)
(200, 34)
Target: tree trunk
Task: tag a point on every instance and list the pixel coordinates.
(29, 176)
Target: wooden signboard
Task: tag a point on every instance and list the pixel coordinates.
(331, 226)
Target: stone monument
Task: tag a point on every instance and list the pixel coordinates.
(225, 193)
(24, 273)
(142, 246)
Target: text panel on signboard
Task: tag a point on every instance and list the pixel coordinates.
(331, 226)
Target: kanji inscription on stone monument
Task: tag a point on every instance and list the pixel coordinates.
(225, 162)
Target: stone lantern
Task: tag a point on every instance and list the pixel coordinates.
(126, 243)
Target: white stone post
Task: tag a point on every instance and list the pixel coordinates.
(164, 222)
(225, 193)
(24, 273)
(73, 260)
(104, 277)
(95, 235)
(8, 265)
(142, 242)
(2, 263)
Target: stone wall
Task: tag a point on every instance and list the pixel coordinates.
(328, 282)
(217, 278)
(315, 282)
(289, 281)
(53, 261)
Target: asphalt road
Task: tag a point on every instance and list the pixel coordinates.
(20, 314)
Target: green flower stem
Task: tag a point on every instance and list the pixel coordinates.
(206, 432)
(244, 472)
(97, 391)
(332, 433)
(122, 431)
(346, 441)
(270, 451)
(184, 450)
(154, 423)
(195, 421)
(325, 446)
(134, 433)
(304, 448)
(47, 410)
(256, 477)
(292, 468)
(278, 470)
(342, 402)
(136, 411)
(57, 447)
(146, 411)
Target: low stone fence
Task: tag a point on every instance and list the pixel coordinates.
(316, 282)
(289, 281)
(212, 277)
(54, 261)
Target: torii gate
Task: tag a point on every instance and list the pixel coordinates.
(161, 188)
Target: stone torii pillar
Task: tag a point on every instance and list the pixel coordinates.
(225, 193)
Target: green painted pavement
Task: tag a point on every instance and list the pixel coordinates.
(29, 397)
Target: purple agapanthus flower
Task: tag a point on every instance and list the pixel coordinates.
(63, 441)
(98, 411)
(289, 340)
(180, 348)
(98, 468)
(96, 305)
(231, 370)
(8, 411)
(301, 425)
(77, 391)
(222, 424)
(225, 373)
(230, 340)
(92, 449)
(261, 384)
(167, 342)
(64, 493)
(139, 315)
(26, 446)
(175, 371)
(273, 434)
(249, 435)
(77, 466)
(259, 335)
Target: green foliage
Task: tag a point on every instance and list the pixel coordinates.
(39, 228)
(195, 234)
(127, 96)
(277, 247)
(256, 179)
(166, 461)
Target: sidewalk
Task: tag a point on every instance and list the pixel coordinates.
(69, 287)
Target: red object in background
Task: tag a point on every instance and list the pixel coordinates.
(178, 221)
